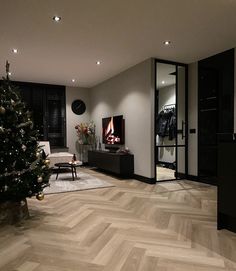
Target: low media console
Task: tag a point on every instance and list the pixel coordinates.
(118, 163)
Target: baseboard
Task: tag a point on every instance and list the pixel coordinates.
(225, 221)
(194, 178)
(112, 174)
(187, 177)
(179, 175)
(144, 179)
(200, 180)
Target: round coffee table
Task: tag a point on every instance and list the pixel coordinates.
(71, 165)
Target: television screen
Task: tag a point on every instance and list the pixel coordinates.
(113, 130)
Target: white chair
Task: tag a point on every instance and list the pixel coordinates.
(57, 157)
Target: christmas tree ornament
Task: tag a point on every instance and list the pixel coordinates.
(40, 196)
(40, 179)
(2, 110)
(23, 147)
(47, 162)
(1, 130)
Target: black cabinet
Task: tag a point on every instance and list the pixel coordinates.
(47, 104)
(118, 163)
(227, 186)
(215, 110)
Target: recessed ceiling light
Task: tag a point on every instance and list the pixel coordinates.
(57, 18)
(163, 82)
(9, 73)
(98, 62)
(14, 50)
(73, 80)
(167, 42)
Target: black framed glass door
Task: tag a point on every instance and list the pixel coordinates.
(170, 121)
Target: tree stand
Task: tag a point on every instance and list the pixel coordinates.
(12, 212)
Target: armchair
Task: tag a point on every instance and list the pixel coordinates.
(57, 157)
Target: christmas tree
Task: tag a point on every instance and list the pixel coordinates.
(24, 169)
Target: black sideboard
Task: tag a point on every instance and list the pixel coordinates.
(118, 163)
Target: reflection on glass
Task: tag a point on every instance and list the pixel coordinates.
(166, 164)
(166, 122)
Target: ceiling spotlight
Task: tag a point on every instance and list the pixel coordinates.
(167, 42)
(73, 80)
(9, 73)
(98, 62)
(57, 18)
(163, 82)
(14, 50)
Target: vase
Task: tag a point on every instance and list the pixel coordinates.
(83, 152)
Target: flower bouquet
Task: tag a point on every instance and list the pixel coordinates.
(86, 133)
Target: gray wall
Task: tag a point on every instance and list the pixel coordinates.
(73, 93)
(131, 94)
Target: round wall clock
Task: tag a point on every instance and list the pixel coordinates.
(78, 107)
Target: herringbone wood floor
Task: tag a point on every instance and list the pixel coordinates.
(130, 227)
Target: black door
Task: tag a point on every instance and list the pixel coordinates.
(215, 103)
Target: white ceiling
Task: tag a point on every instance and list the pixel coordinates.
(120, 33)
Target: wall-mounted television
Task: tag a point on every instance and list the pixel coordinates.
(113, 130)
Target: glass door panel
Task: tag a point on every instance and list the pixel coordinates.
(165, 122)
(171, 121)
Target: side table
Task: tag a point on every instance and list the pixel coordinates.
(69, 165)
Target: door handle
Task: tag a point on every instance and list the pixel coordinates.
(183, 129)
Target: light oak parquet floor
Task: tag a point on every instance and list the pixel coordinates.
(130, 227)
